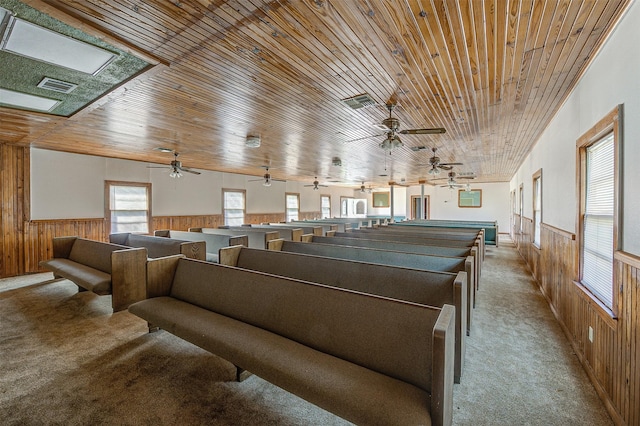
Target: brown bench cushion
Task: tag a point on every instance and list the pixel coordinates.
(84, 276)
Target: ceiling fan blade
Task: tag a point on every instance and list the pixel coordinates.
(188, 170)
(158, 167)
(365, 137)
(434, 131)
(443, 167)
(451, 164)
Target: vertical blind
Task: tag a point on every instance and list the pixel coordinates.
(129, 208)
(233, 208)
(598, 220)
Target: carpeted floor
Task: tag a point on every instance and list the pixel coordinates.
(66, 359)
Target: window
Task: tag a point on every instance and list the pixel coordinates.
(537, 206)
(233, 207)
(325, 206)
(292, 207)
(128, 206)
(521, 208)
(346, 206)
(598, 221)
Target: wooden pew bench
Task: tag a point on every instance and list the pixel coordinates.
(490, 227)
(213, 242)
(286, 232)
(330, 346)
(160, 247)
(382, 256)
(412, 285)
(442, 238)
(460, 252)
(258, 238)
(100, 267)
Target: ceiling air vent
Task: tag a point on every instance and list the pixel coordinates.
(359, 101)
(57, 85)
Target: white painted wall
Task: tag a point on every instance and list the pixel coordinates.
(71, 186)
(444, 203)
(611, 79)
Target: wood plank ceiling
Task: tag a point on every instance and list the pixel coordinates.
(492, 72)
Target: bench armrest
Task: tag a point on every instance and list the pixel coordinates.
(442, 372)
(62, 246)
(276, 244)
(160, 272)
(307, 238)
(194, 249)
(128, 277)
(162, 233)
(229, 255)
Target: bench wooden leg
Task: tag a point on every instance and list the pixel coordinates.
(242, 374)
(81, 289)
(152, 328)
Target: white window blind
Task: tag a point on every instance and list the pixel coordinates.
(537, 209)
(129, 208)
(293, 207)
(597, 245)
(325, 206)
(233, 208)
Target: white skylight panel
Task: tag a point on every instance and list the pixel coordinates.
(26, 101)
(30, 40)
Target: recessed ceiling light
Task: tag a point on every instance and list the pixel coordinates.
(30, 40)
(27, 101)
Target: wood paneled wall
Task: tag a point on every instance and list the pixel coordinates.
(183, 223)
(14, 207)
(612, 360)
(24, 243)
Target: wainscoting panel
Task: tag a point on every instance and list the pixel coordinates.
(183, 223)
(612, 359)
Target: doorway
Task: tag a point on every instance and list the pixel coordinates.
(420, 210)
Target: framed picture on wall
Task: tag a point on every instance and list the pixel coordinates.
(380, 199)
(471, 198)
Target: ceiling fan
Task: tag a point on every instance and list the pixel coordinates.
(392, 124)
(453, 183)
(364, 189)
(437, 166)
(316, 185)
(266, 178)
(176, 167)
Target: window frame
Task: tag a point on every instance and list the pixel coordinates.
(327, 196)
(521, 207)
(537, 218)
(244, 204)
(609, 124)
(286, 208)
(107, 203)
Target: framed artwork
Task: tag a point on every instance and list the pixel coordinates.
(472, 198)
(380, 199)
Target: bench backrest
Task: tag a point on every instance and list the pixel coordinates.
(374, 255)
(395, 246)
(384, 335)
(96, 254)
(159, 246)
(419, 286)
(214, 242)
(465, 236)
(257, 238)
(408, 239)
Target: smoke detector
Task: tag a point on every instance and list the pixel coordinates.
(252, 141)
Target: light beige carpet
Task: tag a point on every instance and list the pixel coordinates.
(67, 360)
